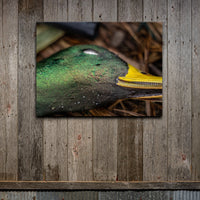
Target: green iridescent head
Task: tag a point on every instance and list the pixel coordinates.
(79, 78)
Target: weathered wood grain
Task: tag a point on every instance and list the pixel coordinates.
(29, 128)
(105, 10)
(8, 89)
(129, 158)
(105, 149)
(79, 10)
(55, 11)
(80, 150)
(55, 130)
(98, 185)
(130, 131)
(105, 130)
(150, 194)
(195, 90)
(179, 90)
(80, 147)
(55, 150)
(155, 130)
(131, 11)
(102, 143)
(2, 102)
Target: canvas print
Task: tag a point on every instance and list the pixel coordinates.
(98, 69)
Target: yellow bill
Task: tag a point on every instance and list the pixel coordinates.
(140, 80)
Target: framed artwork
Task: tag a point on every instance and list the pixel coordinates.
(99, 69)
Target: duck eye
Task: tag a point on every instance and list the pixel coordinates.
(90, 51)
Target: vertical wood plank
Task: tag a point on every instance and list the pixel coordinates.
(29, 128)
(80, 150)
(155, 130)
(2, 102)
(105, 149)
(80, 10)
(8, 89)
(129, 149)
(130, 11)
(129, 159)
(105, 10)
(55, 150)
(105, 130)
(80, 130)
(179, 87)
(55, 130)
(195, 90)
(55, 10)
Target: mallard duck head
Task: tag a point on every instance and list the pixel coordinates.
(83, 77)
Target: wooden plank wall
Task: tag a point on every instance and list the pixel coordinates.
(102, 195)
(100, 149)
